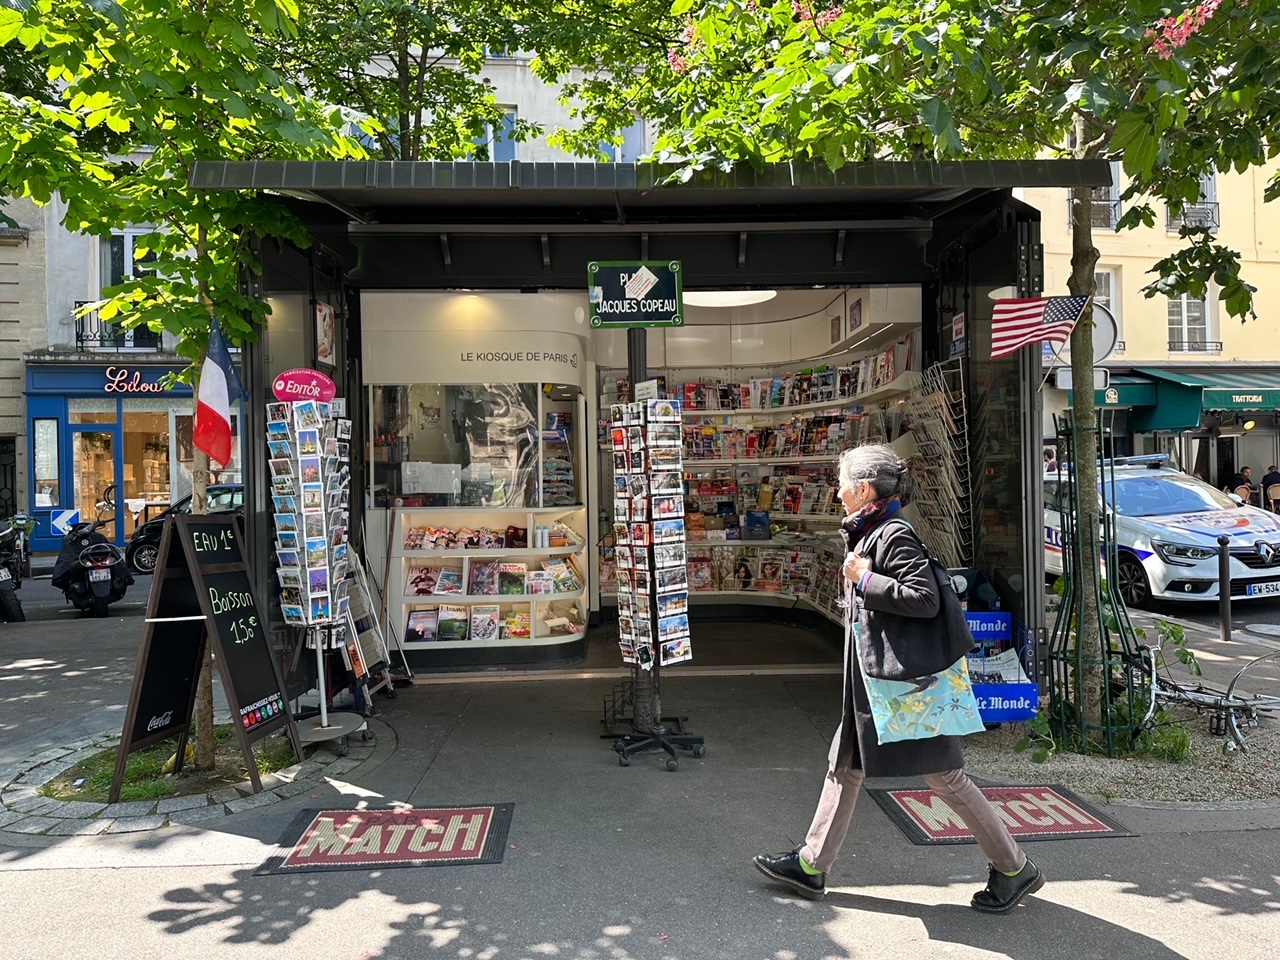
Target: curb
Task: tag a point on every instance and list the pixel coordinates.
(24, 811)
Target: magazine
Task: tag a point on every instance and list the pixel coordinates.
(511, 578)
(485, 618)
(484, 578)
(422, 581)
(421, 626)
(449, 582)
(452, 622)
(540, 581)
(517, 625)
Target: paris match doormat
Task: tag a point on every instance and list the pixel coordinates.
(377, 839)
(1030, 813)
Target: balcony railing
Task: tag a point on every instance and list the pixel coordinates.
(1102, 213)
(1195, 346)
(1203, 214)
(92, 333)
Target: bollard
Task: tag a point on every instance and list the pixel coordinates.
(1224, 588)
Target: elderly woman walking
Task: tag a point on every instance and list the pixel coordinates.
(891, 589)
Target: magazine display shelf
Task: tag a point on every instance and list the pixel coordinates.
(402, 599)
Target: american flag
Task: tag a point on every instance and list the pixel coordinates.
(1015, 323)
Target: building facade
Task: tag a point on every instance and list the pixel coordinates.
(1185, 377)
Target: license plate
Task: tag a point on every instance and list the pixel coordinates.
(103, 574)
(1263, 589)
(5, 574)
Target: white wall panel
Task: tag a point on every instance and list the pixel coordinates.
(700, 346)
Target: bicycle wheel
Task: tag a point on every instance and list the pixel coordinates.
(1253, 700)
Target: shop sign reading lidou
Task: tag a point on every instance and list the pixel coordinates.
(636, 294)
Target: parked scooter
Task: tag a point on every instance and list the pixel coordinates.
(91, 571)
(11, 568)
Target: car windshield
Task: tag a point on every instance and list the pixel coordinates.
(1165, 494)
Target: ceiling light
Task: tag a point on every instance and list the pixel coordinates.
(727, 298)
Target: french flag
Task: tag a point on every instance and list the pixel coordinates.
(219, 383)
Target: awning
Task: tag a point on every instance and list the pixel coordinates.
(1126, 391)
(1231, 390)
(1157, 402)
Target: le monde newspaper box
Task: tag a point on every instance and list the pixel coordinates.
(202, 593)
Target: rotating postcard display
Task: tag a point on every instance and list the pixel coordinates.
(310, 477)
(649, 533)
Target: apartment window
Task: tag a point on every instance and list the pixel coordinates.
(120, 259)
(1107, 295)
(1189, 326)
(632, 147)
(1203, 212)
(498, 137)
(1104, 203)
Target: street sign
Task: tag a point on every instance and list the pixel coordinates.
(636, 293)
(1063, 381)
(62, 521)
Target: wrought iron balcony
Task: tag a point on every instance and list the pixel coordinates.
(92, 333)
(1195, 346)
(1102, 213)
(1203, 214)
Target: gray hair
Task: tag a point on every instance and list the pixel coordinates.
(878, 465)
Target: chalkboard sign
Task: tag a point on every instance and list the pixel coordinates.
(202, 592)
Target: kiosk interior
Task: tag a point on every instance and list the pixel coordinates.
(488, 490)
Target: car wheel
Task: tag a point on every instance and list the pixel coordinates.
(143, 557)
(1132, 582)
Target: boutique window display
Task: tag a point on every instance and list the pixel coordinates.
(471, 445)
(649, 533)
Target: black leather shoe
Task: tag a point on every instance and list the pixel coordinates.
(786, 869)
(1004, 893)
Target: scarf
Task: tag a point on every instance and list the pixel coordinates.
(865, 519)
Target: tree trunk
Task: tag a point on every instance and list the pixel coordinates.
(205, 747)
(1088, 638)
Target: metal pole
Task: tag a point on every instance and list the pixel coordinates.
(1224, 588)
(644, 715)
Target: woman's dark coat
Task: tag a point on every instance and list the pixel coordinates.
(901, 585)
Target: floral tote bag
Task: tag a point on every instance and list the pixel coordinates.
(938, 705)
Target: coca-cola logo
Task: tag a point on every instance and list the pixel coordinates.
(160, 722)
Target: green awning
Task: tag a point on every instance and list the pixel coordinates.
(1232, 390)
(1125, 391)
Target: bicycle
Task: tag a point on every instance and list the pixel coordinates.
(1247, 709)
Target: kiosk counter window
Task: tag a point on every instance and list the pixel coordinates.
(467, 445)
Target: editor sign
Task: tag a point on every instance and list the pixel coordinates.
(302, 383)
(636, 294)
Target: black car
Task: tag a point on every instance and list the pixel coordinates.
(144, 546)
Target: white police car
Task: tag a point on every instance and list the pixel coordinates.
(1167, 526)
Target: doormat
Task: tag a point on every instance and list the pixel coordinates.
(1030, 813)
(368, 839)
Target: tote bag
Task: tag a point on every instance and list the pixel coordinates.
(939, 705)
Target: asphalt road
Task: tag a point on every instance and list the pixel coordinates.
(1261, 617)
(40, 601)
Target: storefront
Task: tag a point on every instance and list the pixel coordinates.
(1211, 422)
(110, 430)
(481, 386)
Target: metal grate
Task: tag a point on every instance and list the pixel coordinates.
(94, 333)
(1195, 346)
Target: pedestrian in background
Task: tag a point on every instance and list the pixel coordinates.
(1270, 479)
(890, 583)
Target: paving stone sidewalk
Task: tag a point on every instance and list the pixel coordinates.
(25, 810)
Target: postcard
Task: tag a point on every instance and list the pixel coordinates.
(313, 498)
(289, 576)
(281, 467)
(277, 431)
(292, 614)
(318, 580)
(285, 504)
(287, 522)
(313, 525)
(279, 448)
(287, 541)
(306, 415)
(309, 468)
(308, 443)
(317, 552)
(288, 558)
(343, 429)
(277, 413)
